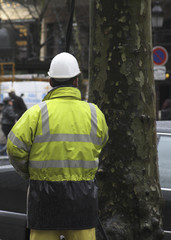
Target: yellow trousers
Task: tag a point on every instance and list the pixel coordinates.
(87, 234)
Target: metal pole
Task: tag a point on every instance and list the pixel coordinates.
(69, 29)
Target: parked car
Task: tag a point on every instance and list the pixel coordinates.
(13, 191)
(164, 158)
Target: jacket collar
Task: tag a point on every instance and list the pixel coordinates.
(61, 92)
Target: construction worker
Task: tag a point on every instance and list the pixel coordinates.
(56, 144)
(18, 103)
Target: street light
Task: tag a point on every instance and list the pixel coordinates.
(157, 15)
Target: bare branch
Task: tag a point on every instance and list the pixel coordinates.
(35, 5)
(47, 40)
(58, 22)
(8, 17)
(27, 6)
(17, 13)
(44, 10)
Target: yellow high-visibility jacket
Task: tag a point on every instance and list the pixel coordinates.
(56, 144)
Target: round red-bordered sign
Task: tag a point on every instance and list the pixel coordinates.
(160, 55)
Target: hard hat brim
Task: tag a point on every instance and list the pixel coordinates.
(63, 78)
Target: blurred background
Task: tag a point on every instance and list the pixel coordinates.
(32, 32)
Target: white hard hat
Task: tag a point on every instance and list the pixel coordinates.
(11, 90)
(63, 66)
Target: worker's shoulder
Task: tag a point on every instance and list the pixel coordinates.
(98, 110)
(32, 110)
(87, 104)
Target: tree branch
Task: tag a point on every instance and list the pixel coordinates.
(11, 23)
(27, 6)
(44, 10)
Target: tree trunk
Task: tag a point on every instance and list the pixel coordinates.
(122, 85)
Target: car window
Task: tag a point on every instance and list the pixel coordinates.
(164, 156)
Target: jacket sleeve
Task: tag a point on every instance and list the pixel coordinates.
(105, 133)
(20, 140)
(103, 128)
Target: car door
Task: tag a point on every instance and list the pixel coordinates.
(164, 159)
(13, 190)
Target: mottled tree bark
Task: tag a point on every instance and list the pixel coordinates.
(122, 85)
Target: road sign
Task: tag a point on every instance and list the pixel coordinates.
(160, 55)
(159, 72)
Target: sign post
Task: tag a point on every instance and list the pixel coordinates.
(159, 72)
(160, 57)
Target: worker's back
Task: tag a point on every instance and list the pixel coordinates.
(56, 144)
(68, 136)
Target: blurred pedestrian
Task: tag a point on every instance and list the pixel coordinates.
(18, 103)
(3, 139)
(8, 116)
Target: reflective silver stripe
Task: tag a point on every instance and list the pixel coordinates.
(63, 164)
(67, 138)
(45, 118)
(17, 142)
(93, 133)
(47, 137)
(93, 119)
(63, 138)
